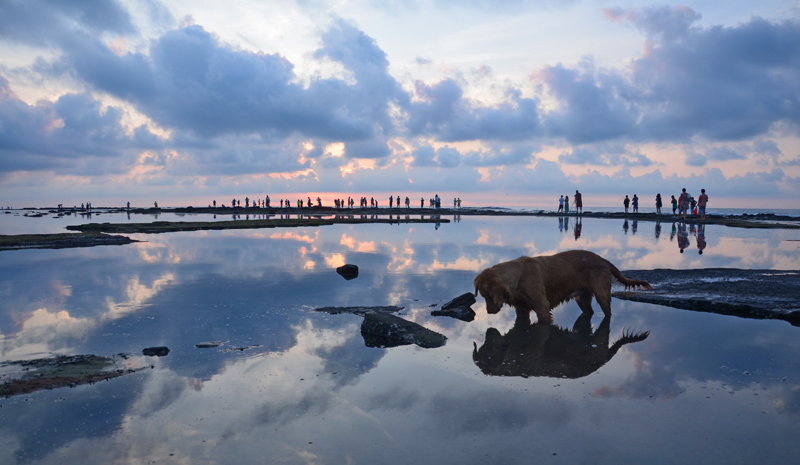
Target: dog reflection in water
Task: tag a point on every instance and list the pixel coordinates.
(542, 283)
(548, 350)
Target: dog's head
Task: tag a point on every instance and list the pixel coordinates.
(493, 289)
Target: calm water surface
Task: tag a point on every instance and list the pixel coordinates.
(701, 388)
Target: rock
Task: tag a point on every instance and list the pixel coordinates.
(209, 344)
(464, 300)
(757, 294)
(460, 313)
(348, 272)
(160, 351)
(361, 311)
(383, 330)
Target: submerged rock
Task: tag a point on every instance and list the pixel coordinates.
(383, 330)
(209, 344)
(161, 351)
(60, 371)
(348, 272)
(361, 311)
(460, 313)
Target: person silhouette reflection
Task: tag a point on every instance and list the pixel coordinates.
(549, 350)
(625, 227)
(701, 238)
(658, 229)
(683, 237)
(578, 228)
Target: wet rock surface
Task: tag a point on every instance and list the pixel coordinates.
(26, 376)
(759, 294)
(161, 351)
(361, 311)
(464, 300)
(348, 271)
(209, 344)
(460, 313)
(384, 330)
(60, 241)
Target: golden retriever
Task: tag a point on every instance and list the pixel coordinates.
(542, 283)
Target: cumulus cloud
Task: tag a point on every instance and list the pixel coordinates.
(719, 93)
(56, 135)
(444, 113)
(47, 22)
(611, 155)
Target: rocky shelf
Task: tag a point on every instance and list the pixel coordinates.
(175, 226)
(759, 294)
(60, 241)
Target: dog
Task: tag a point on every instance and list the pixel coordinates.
(549, 350)
(540, 284)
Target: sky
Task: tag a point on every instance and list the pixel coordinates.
(185, 102)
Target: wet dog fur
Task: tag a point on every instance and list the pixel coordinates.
(542, 283)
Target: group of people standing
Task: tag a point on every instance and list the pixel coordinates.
(682, 206)
(686, 204)
(563, 203)
(434, 202)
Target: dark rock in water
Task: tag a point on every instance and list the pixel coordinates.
(209, 344)
(382, 330)
(348, 272)
(464, 300)
(160, 351)
(361, 311)
(462, 313)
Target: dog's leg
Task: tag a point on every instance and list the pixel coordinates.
(543, 312)
(602, 292)
(603, 297)
(523, 317)
(585, 303)
(602, 334)
(583, 325)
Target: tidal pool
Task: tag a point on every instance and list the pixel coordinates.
(291, 385)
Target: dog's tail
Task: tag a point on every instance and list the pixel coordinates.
(628, 337)
(629, 283)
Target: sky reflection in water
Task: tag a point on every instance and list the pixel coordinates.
(701, 387)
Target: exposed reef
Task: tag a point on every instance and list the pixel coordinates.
(60, 241)
(758, 294)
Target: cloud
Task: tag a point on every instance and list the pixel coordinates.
(604, 155)
(47, 22)
(445, 157)
(591, 109)
(664, 23)
(61, 134)
(443, 113)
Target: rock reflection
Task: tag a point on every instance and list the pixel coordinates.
(548, 350)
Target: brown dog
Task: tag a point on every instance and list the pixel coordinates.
(542, 283)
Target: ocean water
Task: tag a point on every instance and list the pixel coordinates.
(293, 385)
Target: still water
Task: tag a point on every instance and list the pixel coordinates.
(701, 388)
